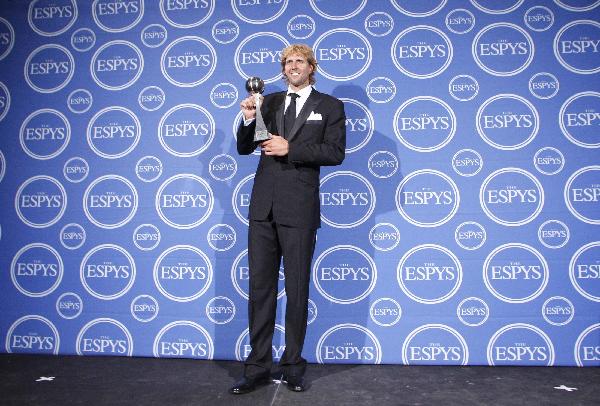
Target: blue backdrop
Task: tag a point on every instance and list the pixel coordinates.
(462, 228)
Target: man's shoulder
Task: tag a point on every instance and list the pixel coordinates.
(327, 98)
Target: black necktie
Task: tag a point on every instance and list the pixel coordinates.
(290, 115)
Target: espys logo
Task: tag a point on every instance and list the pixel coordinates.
(347, 199)
(338, 10)
(117, 65)
(553, 234)
(427, 198)
(558, 311)
(470, 235)
(148, 168)
(255, 12)
(104, 336)
(259, 54)
(344, 274)
(379, 24)
(110, 201)
(220, 310)
(2, 166)
(577, 46)
(186, 130)
(383, 164)
(188, 61)
(183, 339)
(539, 18)
(587, 350)
(579, 118)
(503, 49)
(186, 13)
(117, 16)
(422, 52)
(154, 35)
(40, 201)
(463, 87)
(520, 344)
(582, 194)
(418, 8)
(243, 348)
(385, 312)
(223, 95)
(146, 237)
(51, 17)
(460, 21)
(511, 196)
(467, 162)
(4, 100)
(7, 38)
(495, 7)
(515, 273)
(359, 124)
(151, 98)
(578, 5)
(45, 134)
(222, 167)
(507, 121)
(301, 26)
(184, 201)
(240, 198)
(76, 169)
(473, 311)
(240, 276)
(549, 161)
(349, 343)
(107, 271)
(424, 123)
(144, 308)
(225, 31)
(72, 236)
(381, 89)
(543, 85)
(584, 271)
(69, 305)
(384, 236)
(32, 335)
(182, 273)
(343, 54)
(429, 274)
(221, 237)
(435, 344)
(49, 68)
(83, 39)
(36, 270)
(79, 101)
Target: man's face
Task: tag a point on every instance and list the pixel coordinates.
(297, 70)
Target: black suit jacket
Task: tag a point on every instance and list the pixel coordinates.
(290, 185)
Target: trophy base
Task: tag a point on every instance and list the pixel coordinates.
(261, 135)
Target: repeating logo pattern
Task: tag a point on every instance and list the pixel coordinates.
(462, 227)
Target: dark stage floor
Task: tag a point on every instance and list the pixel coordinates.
(71, 380)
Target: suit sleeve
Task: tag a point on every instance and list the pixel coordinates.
(245, 138)
(333, 148)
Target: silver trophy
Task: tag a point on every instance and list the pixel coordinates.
(256, 86)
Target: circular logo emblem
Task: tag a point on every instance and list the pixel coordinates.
(225, 31)
(429, 274)
(543, 85)
(113, 132)
(144, 308)
(49, 18)
(558, 311)
(470, 235)
(221, 237)
(427, 198)
(223, 95)
(186, 130)
(424, 123)
(148, 168)
(467, 162)
(186, 14)
(146, 237)
(119, 16)
(539, 18)
(584, 271)
(384, 236)
(511, 196)
(383, 164)
(154, 35)
(586, 348)
(240, 276)
(255, 12)
(422, 52)
(418, 9)
(460, 21)
(463, 87)
(79, 101)
(104, 336)
(188, 61)
(49, 68)
(348, 343)
(7, 38)
(435, 344)
(220, 310)
(379, 24)
(32, 334)
(344, 274)
(472, 311)
(183, 273)
(69, 305)
(576, 46)
(243, 348)
(117, 65)
(2, 166)
(582, 193)
(72, 236)
(343, 54)
(222, 167)
(359, 124)
(338, 11)
(36, 270)
(381, 89)
(184, 201)
(385, 312)
(40, 201)
(520, 344)
(240, 198)
(553, 234)
(578, 5)
(45, 134)
(110, 201)
(259, 54)
(493, 7)
(515, 273)
(151, 98)
(76, 169)
(312, 312)
(107, 271)
(347, 199)
(301, 26)
(83, 39)
(4, 100)
(503, 49)
(578, 118)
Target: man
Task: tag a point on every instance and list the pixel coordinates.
(307, 131)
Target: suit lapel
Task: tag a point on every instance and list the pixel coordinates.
(311, 103)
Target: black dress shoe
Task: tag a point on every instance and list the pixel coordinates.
(247, 385)
(295, 383)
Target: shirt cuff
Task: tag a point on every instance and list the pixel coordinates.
(248, 122)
